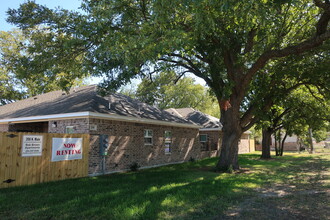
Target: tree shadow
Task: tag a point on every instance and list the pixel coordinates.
(184, 191)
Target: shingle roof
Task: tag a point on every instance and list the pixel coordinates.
(197, 117)
(84, 99)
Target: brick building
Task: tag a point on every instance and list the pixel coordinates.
(210, 131)
(137, 133)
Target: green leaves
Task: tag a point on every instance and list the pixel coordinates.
(167, 91)
(28, 71)
(229, 44)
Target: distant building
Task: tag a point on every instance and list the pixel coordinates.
(210, 133)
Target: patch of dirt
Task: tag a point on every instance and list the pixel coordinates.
(243, 170)
(293, 200)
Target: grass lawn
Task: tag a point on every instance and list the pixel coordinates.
(185, 191)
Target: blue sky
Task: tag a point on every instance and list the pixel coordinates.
(5, 4)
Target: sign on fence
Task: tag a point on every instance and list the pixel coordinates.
(66, 149)
(32, 145)
(26, 158)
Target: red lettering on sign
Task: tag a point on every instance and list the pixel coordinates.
(69, 145)
(68, 152)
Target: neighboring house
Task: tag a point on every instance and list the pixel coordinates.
(137, 133)
(210, 131)
(292, 143)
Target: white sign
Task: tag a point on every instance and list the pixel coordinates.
(32, 145)
(66, 149)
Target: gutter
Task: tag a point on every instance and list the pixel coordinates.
(94, 115)
(220, 129)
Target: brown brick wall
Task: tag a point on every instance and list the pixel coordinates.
(81, 125)
(29, 127)
(4, 127)
(243, 146)
(214, 143)
(127, 145)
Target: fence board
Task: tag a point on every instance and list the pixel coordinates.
(38, 169)
(252, 145)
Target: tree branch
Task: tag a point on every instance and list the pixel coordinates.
(191, 69)
(250, 41)
(321, 35)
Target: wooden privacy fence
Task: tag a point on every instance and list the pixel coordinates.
(252, 145)
(25, 159)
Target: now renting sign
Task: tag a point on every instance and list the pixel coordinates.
(66, 149)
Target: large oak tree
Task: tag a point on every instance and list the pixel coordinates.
(225, 42)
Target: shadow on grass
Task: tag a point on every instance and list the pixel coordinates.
(185, 191)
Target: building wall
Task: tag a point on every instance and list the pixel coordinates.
(126, 140)
(4, 127)
(213, 141)
(127, 146)
(244, 144)
(215, 138)
(80, 126)
(41, 127)
(126, 143)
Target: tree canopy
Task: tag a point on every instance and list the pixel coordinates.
(226, 43)
(20, 72)
(165, 90)
(297, 91)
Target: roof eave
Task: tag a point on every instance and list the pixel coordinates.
(94, 115)
(220, 129)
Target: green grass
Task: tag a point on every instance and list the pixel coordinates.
(185, 191)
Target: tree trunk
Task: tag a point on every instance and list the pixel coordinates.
(282, 144)
(310, 132)
(279, 137)
(266, 141)
(275, 143)
(232, 133)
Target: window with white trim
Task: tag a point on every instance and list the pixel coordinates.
(168, 141)
(148, 137)
(203, 139)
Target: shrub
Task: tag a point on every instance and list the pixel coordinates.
(134, 166)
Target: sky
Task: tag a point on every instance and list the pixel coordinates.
(6, 4)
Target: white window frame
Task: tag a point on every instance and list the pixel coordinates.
(168, 143)
(204, 144)
(146, 135)
(201, 136)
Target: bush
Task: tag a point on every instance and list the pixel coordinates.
(134, 167)
(192, 159)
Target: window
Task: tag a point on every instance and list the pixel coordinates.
(204, 142)
(203, 138)
(69, 129)
(148, 137)
(168, 142)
